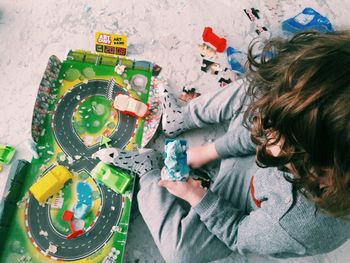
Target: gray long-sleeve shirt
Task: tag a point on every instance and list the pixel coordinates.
(285, 225)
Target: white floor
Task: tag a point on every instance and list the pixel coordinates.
(162, 31)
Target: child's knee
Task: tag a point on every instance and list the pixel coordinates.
(173, 254)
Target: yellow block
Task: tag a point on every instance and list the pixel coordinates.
(50, 183)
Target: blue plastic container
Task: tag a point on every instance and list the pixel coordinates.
(309, 19)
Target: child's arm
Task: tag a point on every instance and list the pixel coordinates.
(200, 155)
(235, 143)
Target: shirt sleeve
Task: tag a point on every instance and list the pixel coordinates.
(257, 232)
(235, 143)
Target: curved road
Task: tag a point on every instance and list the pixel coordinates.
(39, 216)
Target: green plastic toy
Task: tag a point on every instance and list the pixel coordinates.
(114, 178)
(6, 154)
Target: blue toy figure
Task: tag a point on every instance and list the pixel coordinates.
(175, 160)
(84, 200)
(236, 60)
(309, 19)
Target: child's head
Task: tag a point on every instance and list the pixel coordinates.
(300, 91)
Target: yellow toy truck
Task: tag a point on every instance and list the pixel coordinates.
(50, 183)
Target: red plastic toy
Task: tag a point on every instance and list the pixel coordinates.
(131, 106)
(68, 216)
(218, 42)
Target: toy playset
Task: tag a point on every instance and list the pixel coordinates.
(65, 205)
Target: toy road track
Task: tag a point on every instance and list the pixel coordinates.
(73, 116)
(65, 134)
(38, 217)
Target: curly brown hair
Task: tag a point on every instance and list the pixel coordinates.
(300, 93)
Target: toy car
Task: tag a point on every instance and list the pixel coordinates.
(114, 178)
(6, 154)
(50, 183)
(130, 105)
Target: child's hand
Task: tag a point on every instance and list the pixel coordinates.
(190, 191)
(201, 155)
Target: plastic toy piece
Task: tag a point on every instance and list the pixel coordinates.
(31, 145)
(68, 216)
(175, 160)
(50, 183)
(104, 141)
(51, 249)
(139, 82)
(216, 41)
(203, 176)
(188, 94)
(306, 20)
(156, 70)
(119, 69)
(235, 59)
(263, 32)
(142, 65)
(210, 67)
(84, 200)
(57, 202)
(114, 178)
(130, 106)
(227, 76)
(6, 154)
(77, 55)
(206, 51)
(126, 62)
(81, 210)
(111, 61)
(252, 13)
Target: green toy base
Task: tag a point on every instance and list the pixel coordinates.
(73, 115)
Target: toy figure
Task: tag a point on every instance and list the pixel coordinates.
(175, 160)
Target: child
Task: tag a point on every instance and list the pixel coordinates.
(283, 188)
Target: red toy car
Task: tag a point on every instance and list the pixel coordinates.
(130, 105)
